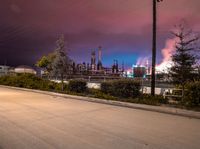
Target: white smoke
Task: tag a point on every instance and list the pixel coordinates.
(167, 53)
(142, 61)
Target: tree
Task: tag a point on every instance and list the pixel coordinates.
(197, 76)
(184, 59)
(61, 64)
(46, 63)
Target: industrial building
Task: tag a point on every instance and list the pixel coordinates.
(4, 70)
(95, 67)
(24, 69)
(7, 70)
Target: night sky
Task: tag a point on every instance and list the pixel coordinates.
(29, 28)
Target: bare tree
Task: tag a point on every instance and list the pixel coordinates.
(62, 63)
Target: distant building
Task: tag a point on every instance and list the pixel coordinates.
(93, 60)
(99, 64)
(4, 70)
(115, 67)
(95, 68)
(24, 69)
(139, 72)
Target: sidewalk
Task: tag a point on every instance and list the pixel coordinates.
(161, 109)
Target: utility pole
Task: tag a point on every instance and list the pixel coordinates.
(154, 46)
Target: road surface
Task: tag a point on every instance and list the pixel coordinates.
(37, 121)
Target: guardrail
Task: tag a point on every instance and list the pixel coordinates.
(165, 95)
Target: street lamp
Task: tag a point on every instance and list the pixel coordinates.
(154, 47)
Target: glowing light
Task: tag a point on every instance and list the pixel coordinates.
(142, 61)
(167, 53)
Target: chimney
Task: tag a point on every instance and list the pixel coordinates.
(99, 53)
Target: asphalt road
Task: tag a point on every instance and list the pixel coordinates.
(37, 121)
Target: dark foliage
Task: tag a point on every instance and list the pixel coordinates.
(152, 100)
(78, 86)
(27, 81)
(192, 96)
(184, 59)
(121, 88)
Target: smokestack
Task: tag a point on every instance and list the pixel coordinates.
(148, 69)
(99, 65)
(93, 60)
(100, 53)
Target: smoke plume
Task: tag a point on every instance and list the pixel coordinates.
(166, 53)
(142, 61)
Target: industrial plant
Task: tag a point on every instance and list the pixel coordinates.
(93, 71)
(95, 68)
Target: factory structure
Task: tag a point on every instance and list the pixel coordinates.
(144, 72)
(139, 71)
(96, 68)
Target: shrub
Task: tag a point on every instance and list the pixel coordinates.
(50, 85)
(121, 88)
(8, 80)
(106, 87)
(152, 100)
(96, 93)
(192, 95)
(27, 81)
(58, 87)
(78, 86)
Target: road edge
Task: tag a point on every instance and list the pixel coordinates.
(160, 109)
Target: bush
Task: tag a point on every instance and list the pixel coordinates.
(78, 86)
(27, 81)
(51, 85)
(192, 95)
(96, 93)
(106, 87)
(121, 88)
(152, 100)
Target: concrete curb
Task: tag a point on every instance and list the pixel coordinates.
(160, 109)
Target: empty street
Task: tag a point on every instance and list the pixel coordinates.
(37, 121)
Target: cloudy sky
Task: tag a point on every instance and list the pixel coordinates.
(29, 28)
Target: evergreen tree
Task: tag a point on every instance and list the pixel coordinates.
(184, 59)
(61, 64)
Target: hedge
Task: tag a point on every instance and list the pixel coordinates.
(121, 88)
(27, 81)
(192, 95)
(78, 86)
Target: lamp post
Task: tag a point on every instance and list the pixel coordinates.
(154, 46)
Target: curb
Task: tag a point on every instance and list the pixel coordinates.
(160, 109)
